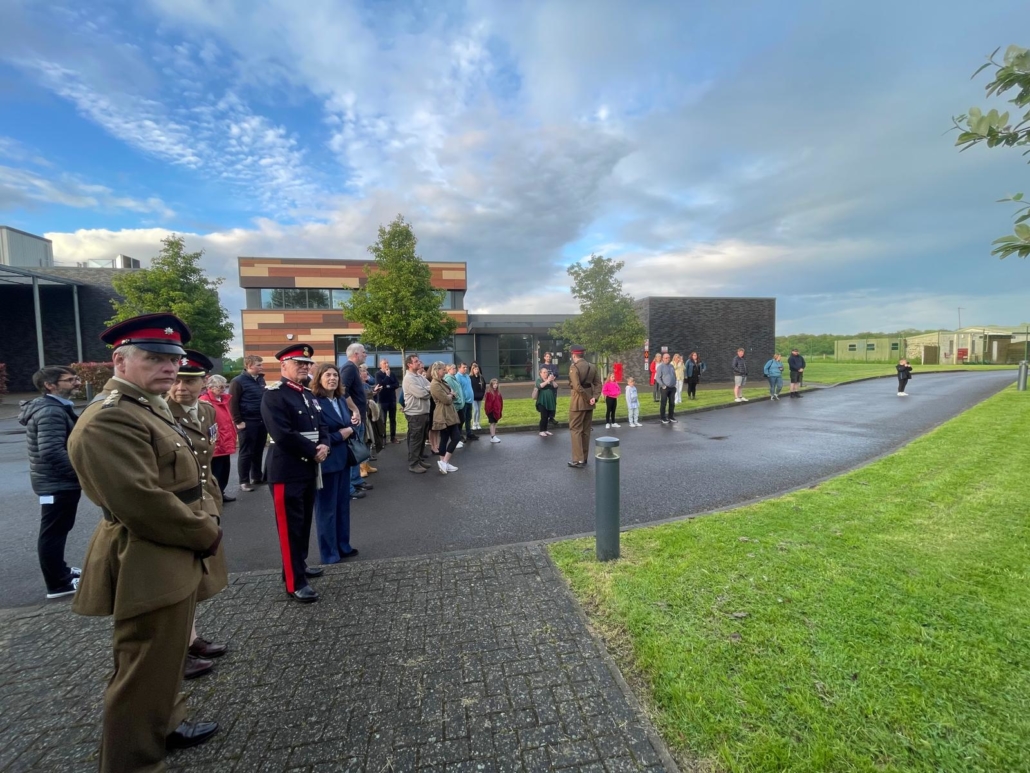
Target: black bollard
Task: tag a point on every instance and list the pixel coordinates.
(607, 498)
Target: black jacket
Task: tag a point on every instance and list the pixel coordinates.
(288, 409)
(478, 387)
(388, 387)
(48, 423)
(796, 362)
(245, 395)
(739, 366)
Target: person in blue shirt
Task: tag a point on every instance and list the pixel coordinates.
(468, 395)
(773, 371)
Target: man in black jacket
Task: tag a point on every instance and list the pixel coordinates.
(245, 393)
(796, 363)
(48, 421)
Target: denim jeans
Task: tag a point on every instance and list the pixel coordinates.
(355, 471)
(775, 384)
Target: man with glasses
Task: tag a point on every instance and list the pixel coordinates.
(300, 443)
(48, 422)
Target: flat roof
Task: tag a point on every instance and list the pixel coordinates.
(21, 276)
(25, 233)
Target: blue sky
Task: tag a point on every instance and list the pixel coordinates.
(795, 149)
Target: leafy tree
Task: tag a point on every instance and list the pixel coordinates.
(176, 283)
(398, 306)
(995, 129)
(608, 323)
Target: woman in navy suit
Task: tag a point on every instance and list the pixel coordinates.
(332, 501)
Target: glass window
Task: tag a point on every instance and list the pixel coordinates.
(295, 299)
(894, 346)
(852, 347)
(870, 347)
(271, 299)
(318, 299)
(515, 355)
(341, 297)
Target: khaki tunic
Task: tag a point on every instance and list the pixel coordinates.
(203, 436)
(144, 554)
(584, 384)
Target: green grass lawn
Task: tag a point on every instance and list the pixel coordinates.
(822, 372)
(876, 622)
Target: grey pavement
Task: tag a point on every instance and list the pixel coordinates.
(520, 489)
(479, 662)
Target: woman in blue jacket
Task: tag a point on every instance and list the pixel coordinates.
(332, 501)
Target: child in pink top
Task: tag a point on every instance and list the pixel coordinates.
(611, 391)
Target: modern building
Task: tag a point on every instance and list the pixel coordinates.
(298, 299)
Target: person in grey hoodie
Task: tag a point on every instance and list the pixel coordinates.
(665, 380)
(739, 377)
(48, 422)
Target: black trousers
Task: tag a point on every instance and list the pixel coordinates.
(294, 504)
(466, 419)
(609, 409)
(545, 416)
(668, 396)
(220, 468)
(449, 439)
(55, 522)
(418, 429)
(390, 411)
(252, 446)
(692, 387)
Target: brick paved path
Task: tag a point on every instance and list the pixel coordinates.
(472, 662)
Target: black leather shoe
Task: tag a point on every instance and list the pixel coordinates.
(364, 486)
(577, 465)
(202, 648)
(358, 494)
(189, 734)
(305, 595)
(314, 571)
(352, 554)
(196, 667)
(227, 498)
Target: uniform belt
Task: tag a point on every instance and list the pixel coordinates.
(187, 497)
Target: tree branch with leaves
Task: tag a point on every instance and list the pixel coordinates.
(995, 129)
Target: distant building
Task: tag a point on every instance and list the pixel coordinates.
(50, 315)
(869, 349)
(984, 344)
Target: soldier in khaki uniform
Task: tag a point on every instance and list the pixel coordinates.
(145, 561)
(585, 386)
(197, 420)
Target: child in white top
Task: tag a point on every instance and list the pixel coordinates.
(633, 402)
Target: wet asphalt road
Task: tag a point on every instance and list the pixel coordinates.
(521, 489)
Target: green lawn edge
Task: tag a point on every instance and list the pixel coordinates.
(876, 622)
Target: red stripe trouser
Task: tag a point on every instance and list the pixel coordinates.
(294, 504)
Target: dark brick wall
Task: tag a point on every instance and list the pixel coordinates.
(17, 320)
(713, 327)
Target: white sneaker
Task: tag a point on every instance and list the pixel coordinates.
(744, 400)
(607, 426)
(738, 399)
(495, 439)
(460, 445)
(450, 467)
(902, 394)
(617, 426)
(443, 466)
(66, 591)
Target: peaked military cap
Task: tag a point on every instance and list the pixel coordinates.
(298, 352)
(577, 349)
(161, 333)
(194, 363)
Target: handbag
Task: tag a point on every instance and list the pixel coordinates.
(357, 448)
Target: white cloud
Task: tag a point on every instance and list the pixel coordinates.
(25, 188)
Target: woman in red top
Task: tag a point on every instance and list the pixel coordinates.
(494, 406)
(225, 442)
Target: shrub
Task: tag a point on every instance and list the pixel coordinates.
(3, 380)
(95, 374)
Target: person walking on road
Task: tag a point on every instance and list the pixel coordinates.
(739, 377)
(796, 363)
(611, 392)
(147, 558)
(904, 376)
(693, 371)
(665, 378)
(245, 393)
(416, 411)
(48, 420)
(585, 389)
(300, 443)
(773, 371)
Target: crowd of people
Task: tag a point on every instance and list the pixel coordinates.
(154, 449)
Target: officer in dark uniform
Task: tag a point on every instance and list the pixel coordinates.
(299, 443)
(146, 559)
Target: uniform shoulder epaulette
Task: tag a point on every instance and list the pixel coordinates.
(110, 401)
(274, 385)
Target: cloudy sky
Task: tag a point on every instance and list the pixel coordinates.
(795, 149)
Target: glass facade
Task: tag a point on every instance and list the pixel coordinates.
(312, 298)
(515, 357)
